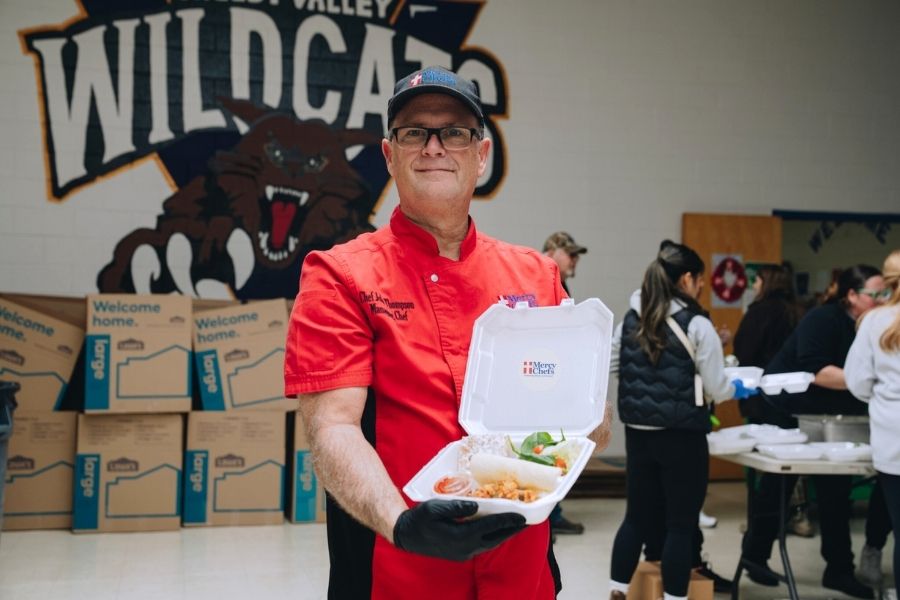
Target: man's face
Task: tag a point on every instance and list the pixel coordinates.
(565, 261)
(433, 181)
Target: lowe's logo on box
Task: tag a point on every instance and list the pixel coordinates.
(536, 368)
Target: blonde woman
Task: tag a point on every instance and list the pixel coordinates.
(872, 371)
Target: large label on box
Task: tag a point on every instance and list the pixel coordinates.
(96, 372)
(196, 485)
(87, 491)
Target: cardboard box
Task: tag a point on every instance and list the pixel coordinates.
(307, 493)
(646, 584)
(128, 473)
(138, 354)
(39, 352)
(39, 470)
(234, 468)
(239, 356)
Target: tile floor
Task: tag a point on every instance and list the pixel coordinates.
(291, 561)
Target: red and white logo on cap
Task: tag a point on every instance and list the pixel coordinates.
(416, 80)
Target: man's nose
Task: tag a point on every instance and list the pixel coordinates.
(433, 144)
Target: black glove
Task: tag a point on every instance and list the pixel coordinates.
(433, 528)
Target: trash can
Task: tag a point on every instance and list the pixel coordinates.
(8, 391)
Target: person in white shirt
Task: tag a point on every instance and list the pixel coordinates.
(872, 372)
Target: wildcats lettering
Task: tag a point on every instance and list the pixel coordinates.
(116, 89)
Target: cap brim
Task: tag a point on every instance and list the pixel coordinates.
(576, 250)
(400, 100)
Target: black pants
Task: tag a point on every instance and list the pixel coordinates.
(668, 470)
(878, 521)
(890, 486)
(833, 495)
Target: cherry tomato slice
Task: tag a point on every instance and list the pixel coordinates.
(452, 484)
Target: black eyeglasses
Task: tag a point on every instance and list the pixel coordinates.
(454, 138)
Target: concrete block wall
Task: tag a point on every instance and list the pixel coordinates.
(623, 114)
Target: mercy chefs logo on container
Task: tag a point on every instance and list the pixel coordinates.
(539, 375)
(536, 368)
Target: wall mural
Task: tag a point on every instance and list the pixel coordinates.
(265, 116)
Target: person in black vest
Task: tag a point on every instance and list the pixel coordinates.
(818, 345)
(664, 344)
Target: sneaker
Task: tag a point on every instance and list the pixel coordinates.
(759, 572)
(707, 521)
(564, 526)
(848, 583)
(800, 525)
(720, 584)
(870, 566)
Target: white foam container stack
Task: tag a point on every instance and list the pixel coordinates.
(530, 369)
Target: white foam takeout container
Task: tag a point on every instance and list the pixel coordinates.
(530, 369)
(749, 376)
(790, 451)
(792, 383)
(844, 451)
(725, 442)
(774, 435)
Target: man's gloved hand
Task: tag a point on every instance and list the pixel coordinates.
(741, 392)
(433, 528)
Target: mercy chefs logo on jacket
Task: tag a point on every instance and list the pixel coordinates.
(228, 99)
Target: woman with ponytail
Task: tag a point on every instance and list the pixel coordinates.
(669, 359)
(872, 371)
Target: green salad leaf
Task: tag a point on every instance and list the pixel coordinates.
(534, 447)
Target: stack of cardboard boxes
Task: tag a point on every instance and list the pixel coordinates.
(39, 352)
(137, 373)
(235, 454)
(137, 457)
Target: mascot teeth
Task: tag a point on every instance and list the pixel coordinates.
(301, 196)
(292, 243)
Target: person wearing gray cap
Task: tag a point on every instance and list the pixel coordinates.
(377, 350)
(563, 250)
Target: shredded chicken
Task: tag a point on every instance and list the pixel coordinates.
(506, 488)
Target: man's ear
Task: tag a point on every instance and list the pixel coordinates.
(484, 150)
(388, 151)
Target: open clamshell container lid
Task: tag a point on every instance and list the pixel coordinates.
(538, 369)
(530, 369)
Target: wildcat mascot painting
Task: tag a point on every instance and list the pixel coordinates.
(286, 188)
(263, 117)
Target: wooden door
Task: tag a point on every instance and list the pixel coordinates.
(752, 239)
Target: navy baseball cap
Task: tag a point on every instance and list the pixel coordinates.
(435, 80)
